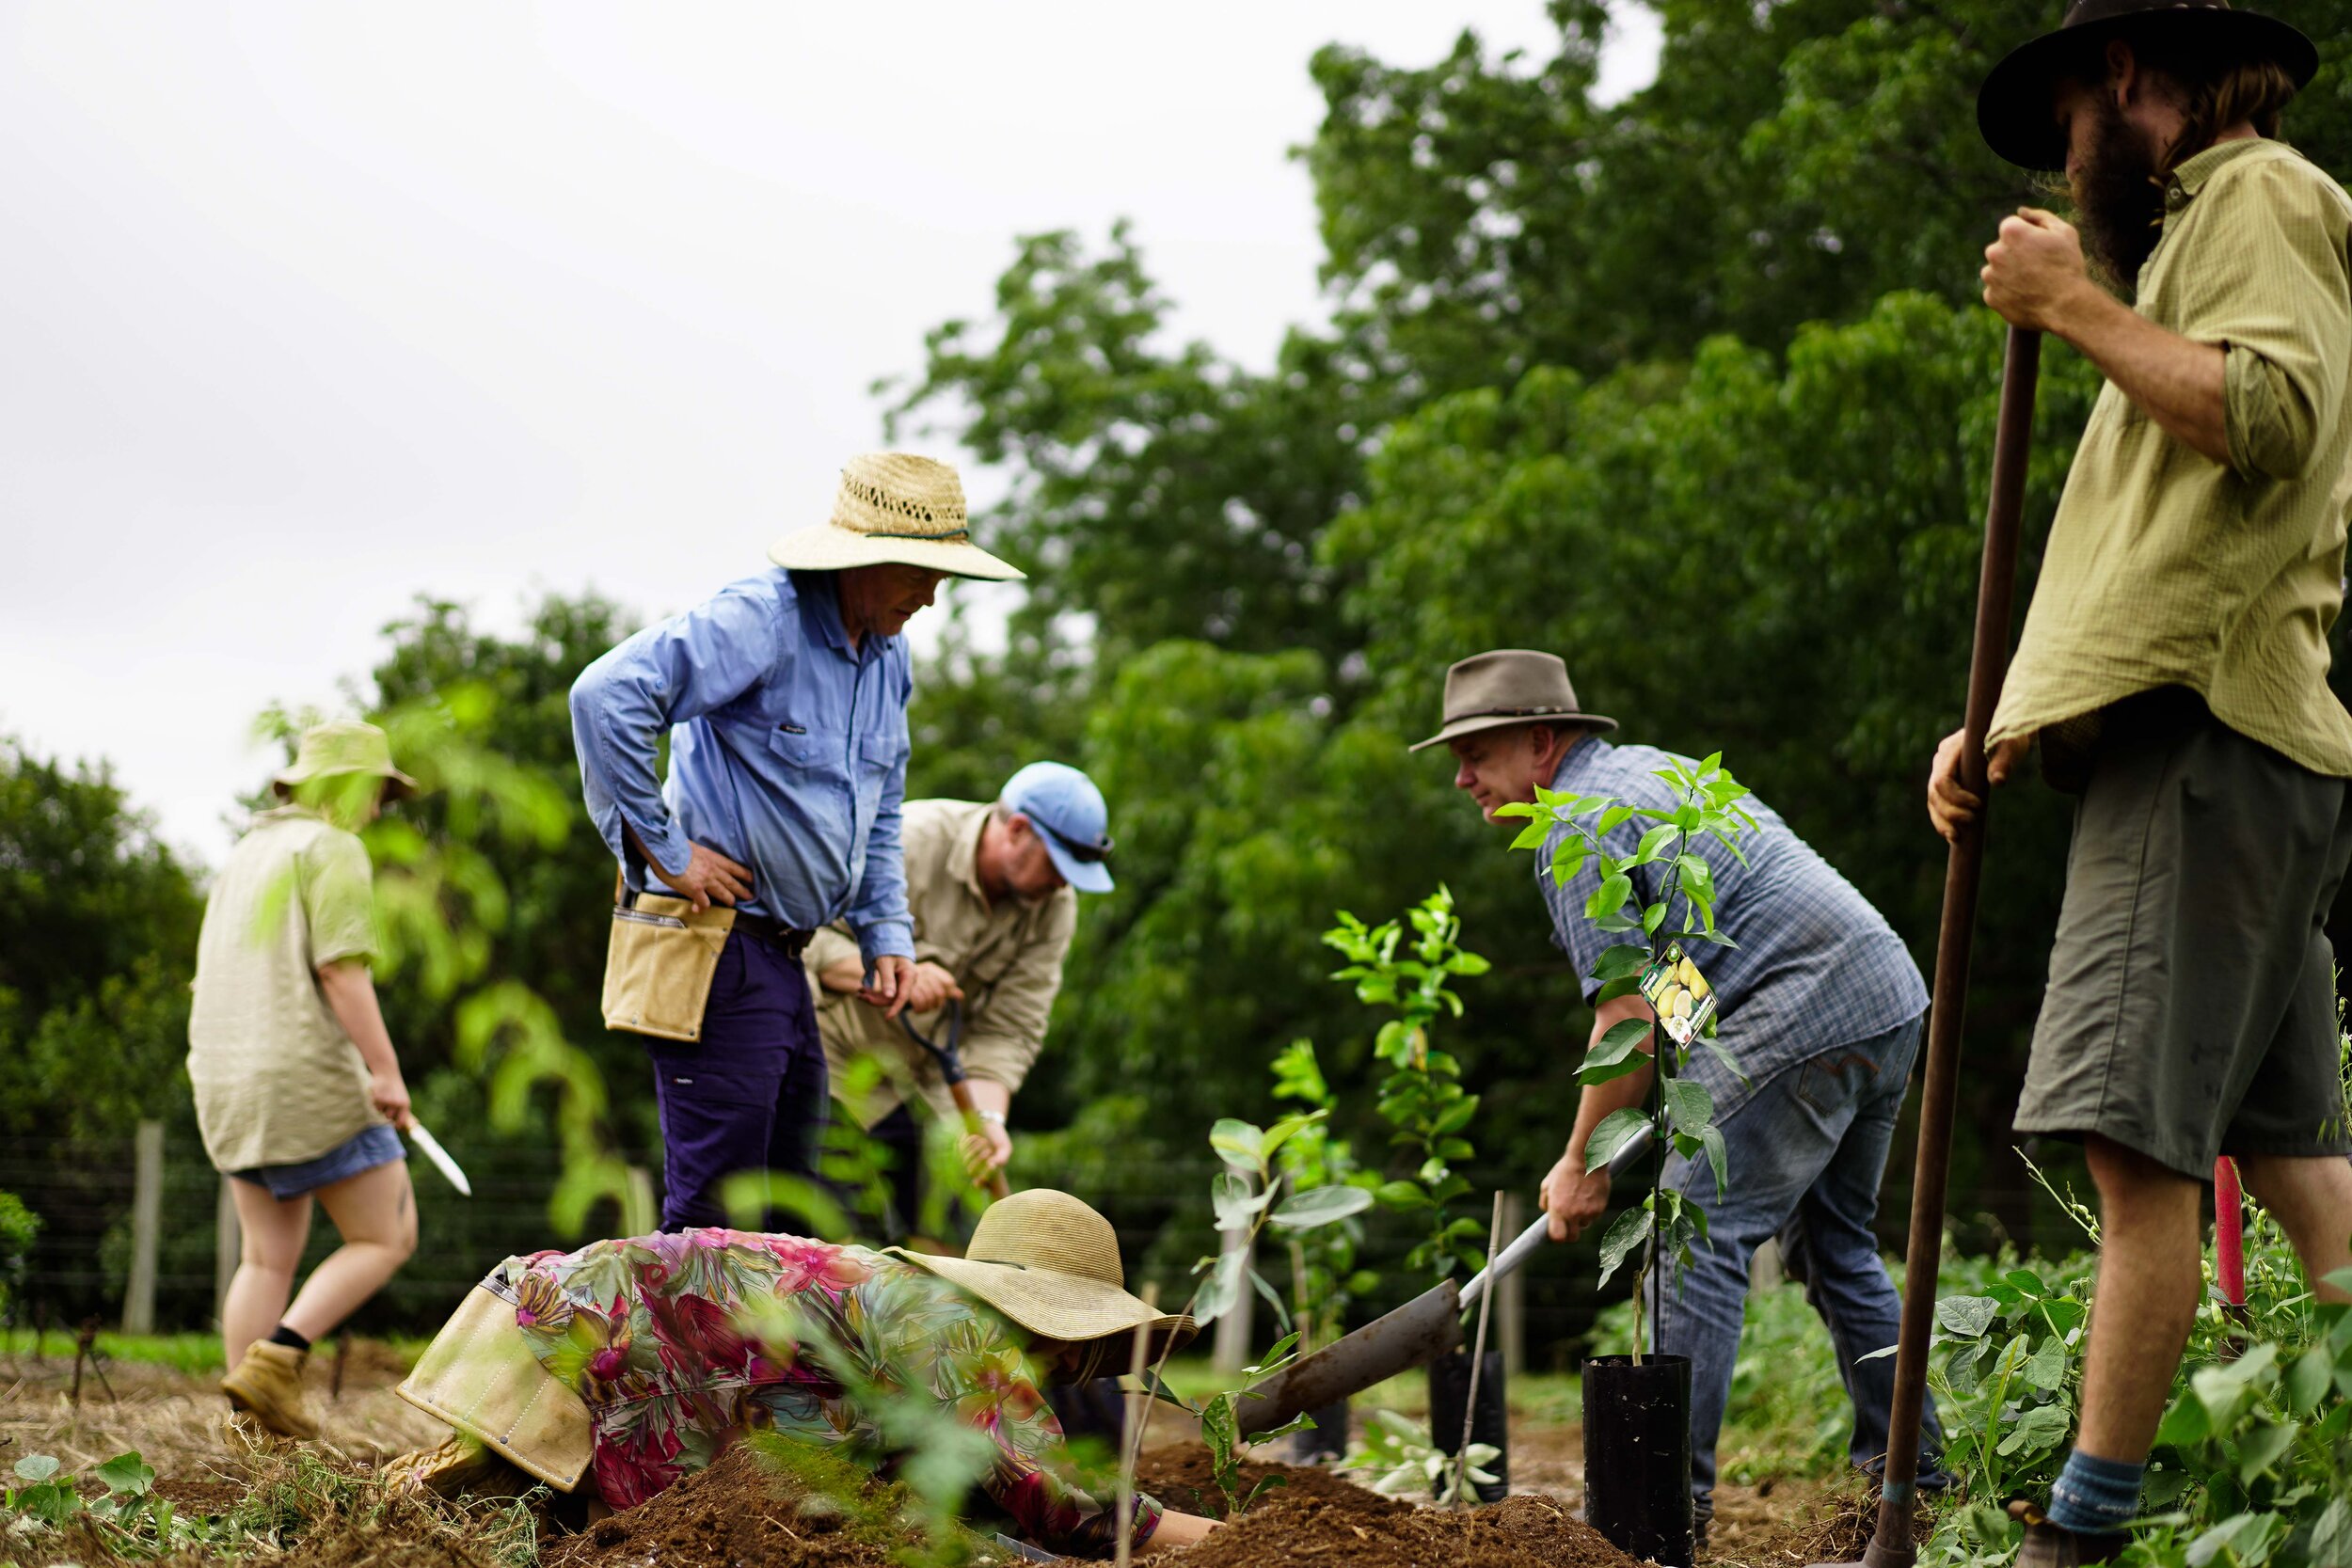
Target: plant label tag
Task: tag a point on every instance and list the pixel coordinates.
(1679, 994)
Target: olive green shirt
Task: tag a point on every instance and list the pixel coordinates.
(276, 1080)
(2166, 568)
(1007, 958)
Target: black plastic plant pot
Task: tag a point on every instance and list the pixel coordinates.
(1327, 1440)
(1637, 1455)
(1449, 1396)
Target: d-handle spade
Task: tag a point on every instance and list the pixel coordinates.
(950, 1059)
(1988, 663)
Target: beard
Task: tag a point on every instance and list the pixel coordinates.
(2117, 197)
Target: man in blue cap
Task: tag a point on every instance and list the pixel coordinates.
(993, 890)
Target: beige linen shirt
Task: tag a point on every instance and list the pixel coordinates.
(2166, 568)
(1007, 958)
(276, 1080)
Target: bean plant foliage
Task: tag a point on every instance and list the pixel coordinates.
(1577, 829)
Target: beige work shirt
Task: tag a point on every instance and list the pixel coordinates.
(276, 1080)
(2166, 568)
(1007, 958)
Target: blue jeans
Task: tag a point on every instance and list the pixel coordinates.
(1805, 1153)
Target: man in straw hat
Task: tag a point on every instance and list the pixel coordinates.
(785, 701)
(627, 1365)
(993, 887)
(2174, 667)
(1819, 1005)
(297, 1089)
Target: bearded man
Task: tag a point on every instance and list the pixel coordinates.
(2174, 668)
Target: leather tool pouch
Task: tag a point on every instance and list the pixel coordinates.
(659, 962)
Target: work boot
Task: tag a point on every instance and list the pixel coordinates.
(461, 1466)
(2049, 1545)
(267, 1385)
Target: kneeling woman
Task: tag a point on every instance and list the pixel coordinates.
(629, 1363)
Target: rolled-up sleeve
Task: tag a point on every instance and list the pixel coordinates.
(1007, 1030)
(663, 675)
(2278, 300)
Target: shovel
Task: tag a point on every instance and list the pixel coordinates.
(1988, 665)
(1414, 1335)
(951, 1062)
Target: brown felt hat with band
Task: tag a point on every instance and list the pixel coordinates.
(2017, 106)
(1050, 1264)
(1509, 686)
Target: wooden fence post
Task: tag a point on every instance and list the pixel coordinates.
(1229, 1351)
(147, 1228)
(227, 1248)
(1511, 1299)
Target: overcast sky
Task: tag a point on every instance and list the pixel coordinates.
(307, 310)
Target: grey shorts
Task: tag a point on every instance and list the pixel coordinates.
(2191, 1011)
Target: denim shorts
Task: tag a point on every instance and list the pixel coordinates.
(365, 1150)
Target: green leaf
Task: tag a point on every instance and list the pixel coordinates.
(2308, 1381)
(2184, 1424)
(1653, 842)
(1522, 808)
(1712, 1138)
(1965, 1316)
(1630, 1229)
(1689, 1107)
(1456, 1116)
(1239, 1143)
(1401, 1195)
(1610, 897)
(2260, 1449)
(2046, 1368)
(1616, 1129)
(1320, 1206)
(126, 1472)
(1615, 963)
(1611, 819)
(1237, 1203)
(35, 1467)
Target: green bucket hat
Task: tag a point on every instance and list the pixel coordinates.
(346, 747)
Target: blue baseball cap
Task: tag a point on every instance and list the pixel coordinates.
(1067, 813)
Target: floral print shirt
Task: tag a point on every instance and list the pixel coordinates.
(681, 1343)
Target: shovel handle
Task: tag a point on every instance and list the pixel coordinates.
(996, 1183)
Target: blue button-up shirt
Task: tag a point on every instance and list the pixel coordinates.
(788, 753)
(1815, 966)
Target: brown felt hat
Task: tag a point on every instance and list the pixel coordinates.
(2016, 105)
(1509, 686)
(1050, 1264)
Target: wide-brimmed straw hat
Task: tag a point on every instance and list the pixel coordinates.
(1050, 1264)
(346, 747)
(2014, 107)
(893, 506)
(1509, 686)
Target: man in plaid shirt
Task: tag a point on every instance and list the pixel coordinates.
(1819, 1007)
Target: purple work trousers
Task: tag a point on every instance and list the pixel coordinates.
(751, 1095)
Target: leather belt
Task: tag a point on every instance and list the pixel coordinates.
(776, 933)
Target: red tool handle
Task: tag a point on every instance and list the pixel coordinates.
(2229, 1231)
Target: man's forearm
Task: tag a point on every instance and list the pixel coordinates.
(2175, 381)
(990, 1098)
(350, 992)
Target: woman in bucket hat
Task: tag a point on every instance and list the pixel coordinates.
(297, 1089)
(618, 1368)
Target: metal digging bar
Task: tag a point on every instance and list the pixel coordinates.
(950, 1060)
(1996, 585)
(1416, 1333)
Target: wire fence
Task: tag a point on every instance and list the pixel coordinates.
(84, 1191)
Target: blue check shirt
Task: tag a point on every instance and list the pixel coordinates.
(788, 753)
(1815, 966)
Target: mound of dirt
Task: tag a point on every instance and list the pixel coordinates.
(1181, 1478)
(738, 1510)
(1368, 1531)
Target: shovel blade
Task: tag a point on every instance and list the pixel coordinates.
(1414, 1335)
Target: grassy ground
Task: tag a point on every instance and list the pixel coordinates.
(194, 1354)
